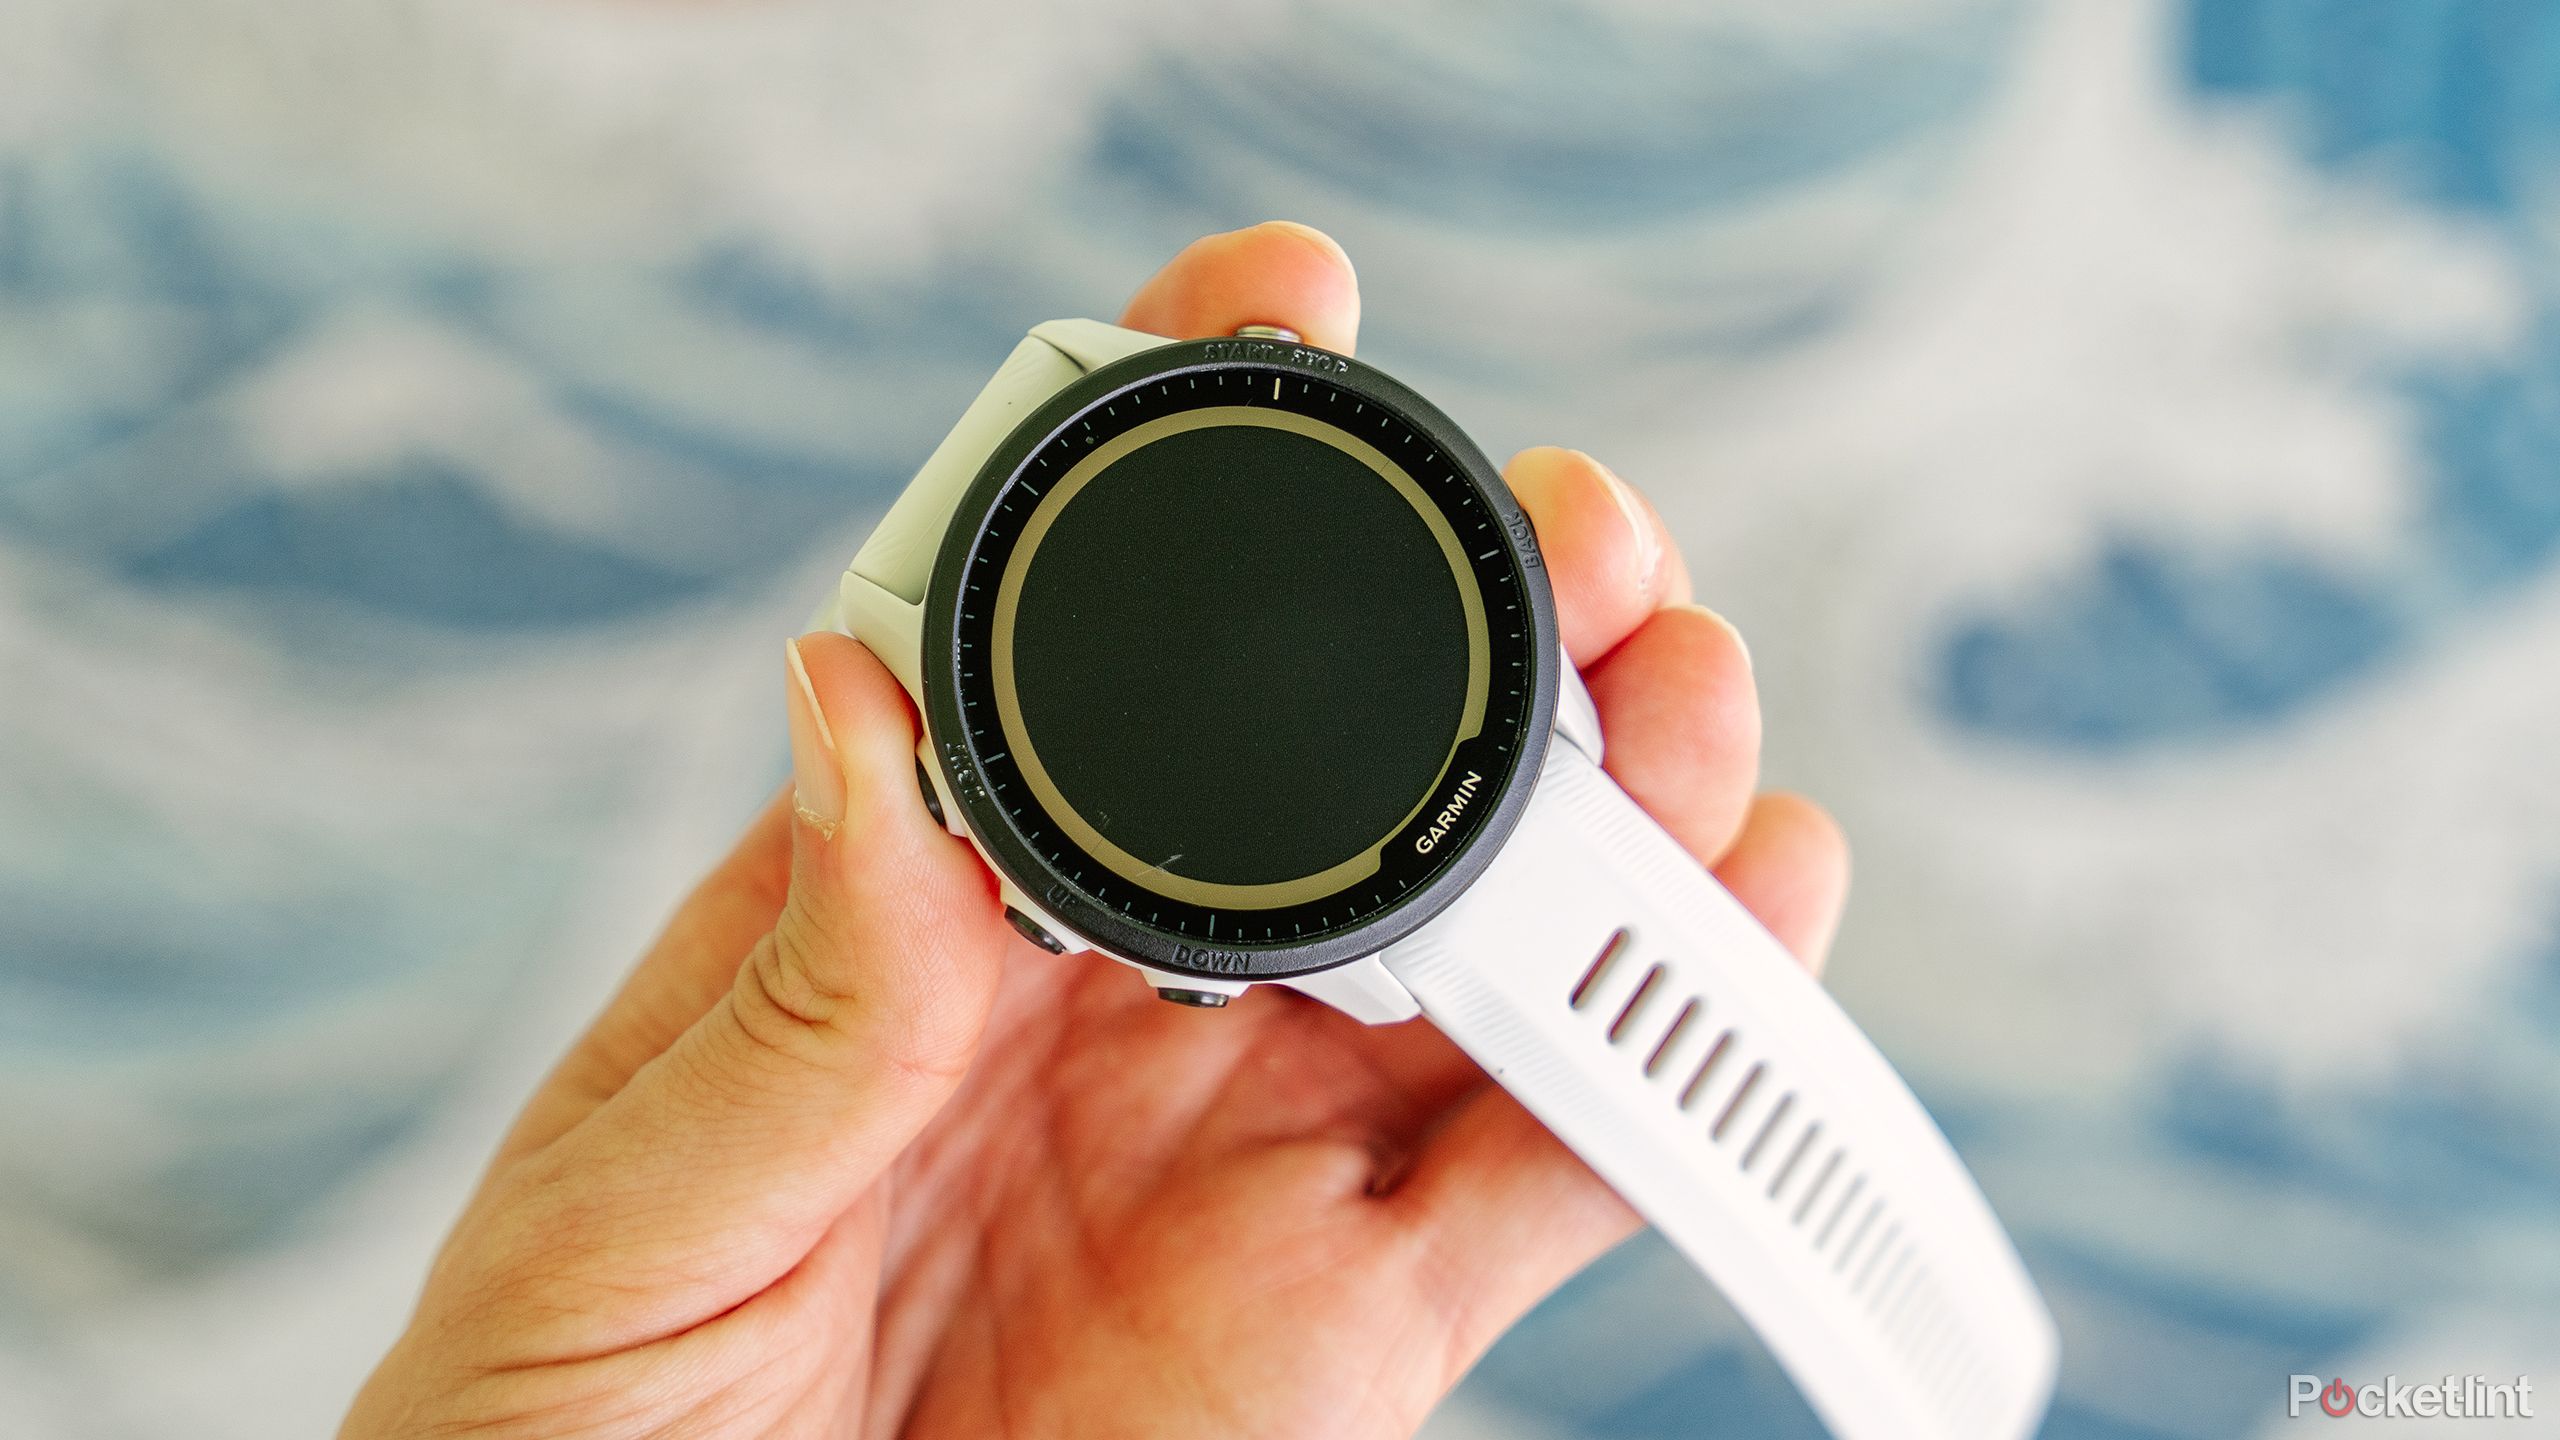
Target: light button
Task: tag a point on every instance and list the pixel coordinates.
(1197, 999)
(1032, 931)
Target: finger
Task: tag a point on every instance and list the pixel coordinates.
(1790, 867)
(712, 1172)
(1499, 1213)
(1607, 553)
(687, 971)
(1276, 273)
(1682, 717)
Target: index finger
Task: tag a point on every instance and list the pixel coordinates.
(1276, 273)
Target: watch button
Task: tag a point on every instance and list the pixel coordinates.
(1032, 931)
(1197, 999)
(1267, 332)
(932, 801)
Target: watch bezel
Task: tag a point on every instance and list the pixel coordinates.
(996, 829)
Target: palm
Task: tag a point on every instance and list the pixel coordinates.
(1152, 1192)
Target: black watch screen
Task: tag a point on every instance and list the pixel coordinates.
(1245, 657)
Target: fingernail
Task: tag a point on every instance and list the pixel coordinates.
(1640, 524)
(1727, 627)
(817, 771)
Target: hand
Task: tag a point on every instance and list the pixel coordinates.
(847, 1157)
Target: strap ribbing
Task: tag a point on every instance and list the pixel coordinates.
(1606, 980)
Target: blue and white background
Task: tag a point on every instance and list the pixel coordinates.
(2125, 429)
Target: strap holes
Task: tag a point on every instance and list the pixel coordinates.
(1768, 1127)
(1821, 1182)
(1975, 1394)
(1959, 1387)
(1961, 1391)
(1894, 1275)
(1955, 1357)
(1706, 1069)
(1980, 1396)
(1741, 1093)
(1867, 1271)
(1891, 1305)
(1910, 1301)
(1942, 1348)
(1635, 1005)
(1600, 964)
(1938, 1354)
(1875, 1207)
(1670, 1037)
(1795, 1157)
(1848, 1198)
(1921, 1333)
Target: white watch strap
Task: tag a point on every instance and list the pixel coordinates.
(1605, 979)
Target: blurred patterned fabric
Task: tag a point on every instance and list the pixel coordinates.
(2126, 432)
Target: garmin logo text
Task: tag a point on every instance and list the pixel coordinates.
(1441, 823)
(2456, 1397)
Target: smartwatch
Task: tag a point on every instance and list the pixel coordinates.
(1238, 664)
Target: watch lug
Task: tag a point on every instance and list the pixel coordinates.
(1092, 344)
(1577, 719)
(888, 626)
(899, 557)
(1362, 990)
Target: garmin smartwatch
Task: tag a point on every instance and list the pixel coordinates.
(1238, 664)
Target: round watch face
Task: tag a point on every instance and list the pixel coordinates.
(1240, 658)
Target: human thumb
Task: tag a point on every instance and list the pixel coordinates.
(847, 1028)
